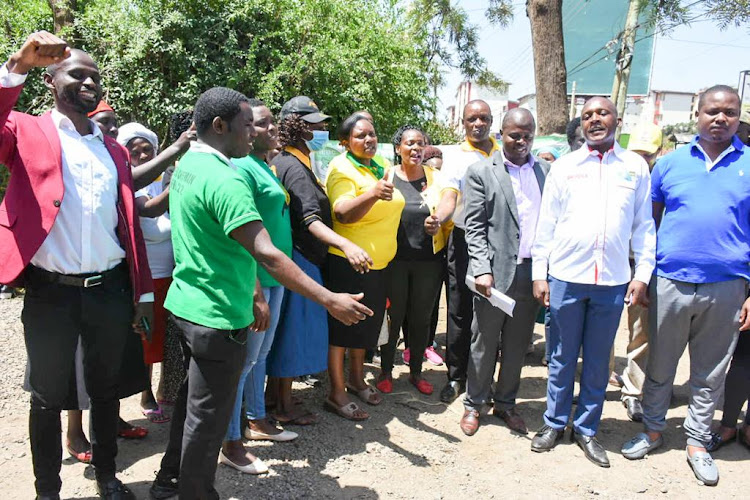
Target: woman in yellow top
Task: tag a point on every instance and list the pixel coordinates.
(366, 210)
(416, 273)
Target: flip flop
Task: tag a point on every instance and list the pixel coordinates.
(155, 416)
(164, 402)
(347, 411)
(133, 432)
(84, 457)
(306, 418)
(367, 395)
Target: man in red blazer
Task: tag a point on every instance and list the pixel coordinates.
(69, 234)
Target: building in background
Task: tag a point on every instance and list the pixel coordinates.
(469, 91)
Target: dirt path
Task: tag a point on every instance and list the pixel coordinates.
(412, 447)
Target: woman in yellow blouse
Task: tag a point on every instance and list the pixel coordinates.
(416, 273)
(366, 210)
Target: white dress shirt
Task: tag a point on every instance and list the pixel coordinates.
(594, 209)
(528, 200)
(83, 238)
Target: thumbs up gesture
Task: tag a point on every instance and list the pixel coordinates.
(383, 190)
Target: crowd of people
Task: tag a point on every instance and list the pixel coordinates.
(240, 270)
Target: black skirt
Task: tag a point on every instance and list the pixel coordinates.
(341, 277)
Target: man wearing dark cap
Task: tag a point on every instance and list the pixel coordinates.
(219, 240)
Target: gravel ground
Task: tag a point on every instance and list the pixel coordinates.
(412, 447)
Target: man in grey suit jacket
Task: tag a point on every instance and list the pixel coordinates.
(504, 194)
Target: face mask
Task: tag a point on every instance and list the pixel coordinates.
(319, 139)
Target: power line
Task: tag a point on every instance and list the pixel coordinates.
(577, 68)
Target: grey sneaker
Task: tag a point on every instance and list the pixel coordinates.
(703, 467)
(640, 446)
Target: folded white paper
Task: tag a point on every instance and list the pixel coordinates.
(497, 298)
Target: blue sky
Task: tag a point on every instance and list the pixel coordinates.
(686, 59)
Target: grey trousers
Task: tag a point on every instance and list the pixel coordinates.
(705, 318)
(489, 326)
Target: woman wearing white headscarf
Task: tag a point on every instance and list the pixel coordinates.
(152, 203)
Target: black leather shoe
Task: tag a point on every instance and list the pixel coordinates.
(591, 447)
(164, 487)
(48, 496)
(114, 490)
(451, 391)
(546, 439)
(634, 409)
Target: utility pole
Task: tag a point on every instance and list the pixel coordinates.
(572, 102)
(624, 60)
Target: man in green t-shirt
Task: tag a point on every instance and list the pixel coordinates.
(218, 237)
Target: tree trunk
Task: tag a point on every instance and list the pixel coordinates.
(64, 14)
(550, 75)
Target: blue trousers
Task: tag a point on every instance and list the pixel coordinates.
(581, 316)
(253, 377)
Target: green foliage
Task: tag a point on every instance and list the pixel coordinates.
(449, 39)
(667, 14)
(680, 128)
(441, 133)
(19, 18)
(157, 56)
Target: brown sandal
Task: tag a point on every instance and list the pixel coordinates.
(348, 411)
(367, 395)
(305, 417)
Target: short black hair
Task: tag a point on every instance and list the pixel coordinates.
(346, 127)
(179, 123)
(570, 130)
(715, 89)
(255, 103)
(518, 114)
(217, 102)
(396, 139)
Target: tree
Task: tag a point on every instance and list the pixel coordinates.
(18, 20)
(550, 74)
(450, 40)
(157, 56)
(63, 13)
(667, 14)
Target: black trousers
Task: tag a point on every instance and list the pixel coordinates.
(737, 385)
(460, 310)
(213, 361)
(54, 316)
(412, 288)
(435, 306)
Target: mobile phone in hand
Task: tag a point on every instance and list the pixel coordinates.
(146, 328)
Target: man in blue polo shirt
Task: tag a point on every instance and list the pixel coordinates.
(701, 205)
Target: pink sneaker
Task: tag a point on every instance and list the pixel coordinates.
(406, 356)
(432, 356)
